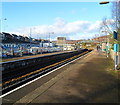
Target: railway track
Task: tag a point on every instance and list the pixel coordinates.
(10, 83)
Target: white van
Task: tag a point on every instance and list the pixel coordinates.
(34, 50)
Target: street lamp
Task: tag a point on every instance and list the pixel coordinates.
(107, 43)
(116, 45)
(1, 26)
(49, 37)
(104, 2)
(5, 19)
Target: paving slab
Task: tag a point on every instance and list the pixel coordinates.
(87, 80)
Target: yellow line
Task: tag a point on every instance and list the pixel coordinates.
(23, 76)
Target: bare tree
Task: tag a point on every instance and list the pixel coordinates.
(107, 25)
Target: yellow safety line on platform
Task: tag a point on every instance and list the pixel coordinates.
(23, 76)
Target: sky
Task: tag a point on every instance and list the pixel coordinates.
(73, 20)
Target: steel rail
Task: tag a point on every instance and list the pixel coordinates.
(33, 74)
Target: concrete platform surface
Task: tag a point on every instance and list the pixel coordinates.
(30, 56)
(87, 80)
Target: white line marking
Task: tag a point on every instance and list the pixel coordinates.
(38, 78)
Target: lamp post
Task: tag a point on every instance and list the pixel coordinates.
(49, 37)
(5, 19)
(0, 26)
(116, 45)
(107, 43)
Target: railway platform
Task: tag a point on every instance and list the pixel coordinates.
(28, 56)
(89, 79)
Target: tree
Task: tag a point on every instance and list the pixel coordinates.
(107, 25)
(107, 29)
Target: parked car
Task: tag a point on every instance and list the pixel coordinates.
(4, 53)
(35, 50)
(17, 52)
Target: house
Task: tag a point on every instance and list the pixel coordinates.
(61, 41)
(66, 44)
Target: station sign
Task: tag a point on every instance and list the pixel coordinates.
(115, 35)
(116, 47)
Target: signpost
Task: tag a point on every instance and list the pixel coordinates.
(115, 34)
(116, 50)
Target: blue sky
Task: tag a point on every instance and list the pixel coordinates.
(71, 19)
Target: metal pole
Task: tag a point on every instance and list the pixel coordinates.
(116, 46)
(30, 34)
(0, 26)
(5, 24)
(49, 39)
(107, 45)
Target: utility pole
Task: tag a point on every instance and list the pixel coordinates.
(30, 33)
(0, 26)
(49, 37)
(5, 19)
(116, 45)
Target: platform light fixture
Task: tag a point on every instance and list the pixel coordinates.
(115, 34)
(104, 2)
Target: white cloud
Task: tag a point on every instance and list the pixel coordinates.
(94, 27)
(75, 30)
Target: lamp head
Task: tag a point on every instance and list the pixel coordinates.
(104, 2)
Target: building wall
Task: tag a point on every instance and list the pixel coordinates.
(61, 40)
